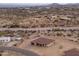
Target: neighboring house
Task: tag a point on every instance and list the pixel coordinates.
(8, 39)
(72, 52)
(16, 38)
(5, 39)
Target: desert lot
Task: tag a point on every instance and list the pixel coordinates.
(60, 45)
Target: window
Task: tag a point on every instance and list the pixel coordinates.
(3, 40)
(32, 43)
(6, 40)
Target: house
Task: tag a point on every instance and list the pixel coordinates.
(72, 52)
(16, 38)
(8, 38)
(5, 39)
(42, 42)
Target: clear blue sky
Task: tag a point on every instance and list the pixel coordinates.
(39, 1)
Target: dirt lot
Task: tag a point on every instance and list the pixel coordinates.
(61, 45)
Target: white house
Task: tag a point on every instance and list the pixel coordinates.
(5, 39)
(8, 39)
(16, 38)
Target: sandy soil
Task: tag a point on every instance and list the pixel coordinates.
(61, 44)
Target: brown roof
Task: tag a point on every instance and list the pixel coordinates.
(42, 40)
(72, 52)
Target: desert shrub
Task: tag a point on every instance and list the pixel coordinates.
(60, 47)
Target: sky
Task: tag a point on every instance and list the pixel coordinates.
(39, 1)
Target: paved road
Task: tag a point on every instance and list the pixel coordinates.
(22, 51)
(36, 29)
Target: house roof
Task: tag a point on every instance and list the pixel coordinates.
(72, 52)
(5, 38)
(43, 40)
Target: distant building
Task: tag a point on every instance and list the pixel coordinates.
(8, 39)
(5, 39)
(72, 52)
(42, 42)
